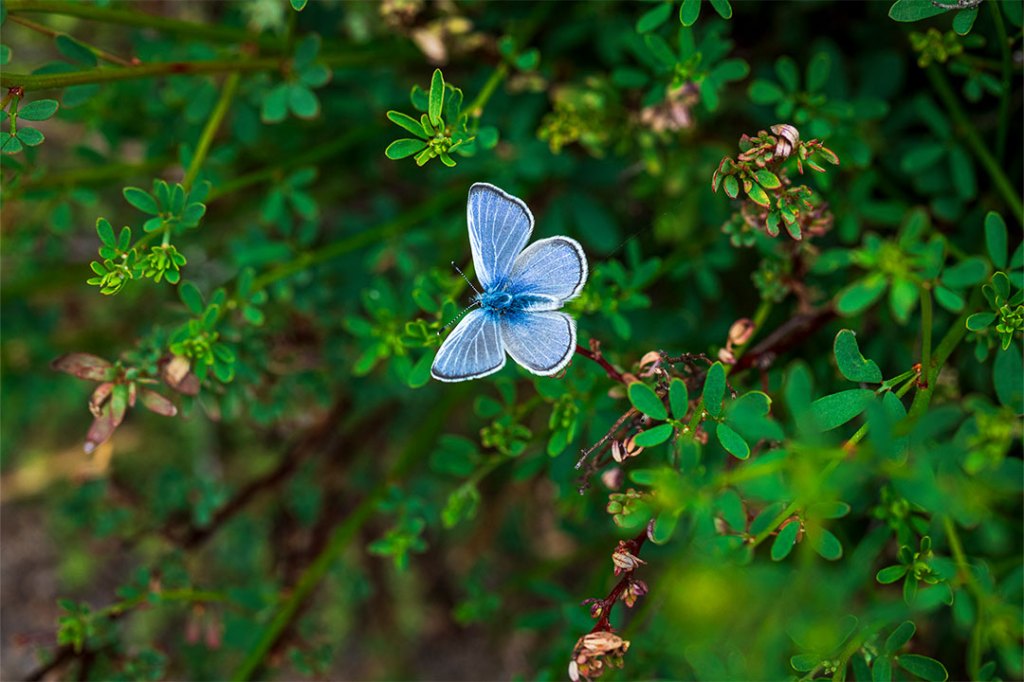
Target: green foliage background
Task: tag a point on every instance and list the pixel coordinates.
(274, 488)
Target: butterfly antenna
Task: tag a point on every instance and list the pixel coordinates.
(459, 316)
(465, 278)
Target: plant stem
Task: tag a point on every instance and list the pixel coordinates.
(970, 133)
(420, 441)
(123, 17)
(926, 330)
(942, 352)
(613, 374)
(46, 30)
(968, 579)
(212, 124)
(310, 156)
(88, 76)
(1004, 99)
(436, 205)
(476, 107)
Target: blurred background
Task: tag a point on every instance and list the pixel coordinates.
(317, 508)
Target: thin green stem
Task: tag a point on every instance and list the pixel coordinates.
(53, 33)
(436, 205)
(926, 329)
(970, 133)
(1004, 99)
(52, 81)
(109, 15)
(942, 352)
(185, 595)
(476, 107)
(967, 578)
(419, 443)
(227, 94)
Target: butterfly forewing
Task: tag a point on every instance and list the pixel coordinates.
(553, 269)
(499, 227)
(542, 342)
(474, 349)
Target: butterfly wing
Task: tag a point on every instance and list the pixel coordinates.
(474, 349)
(499, 227)
(553, 270)
(541, 342)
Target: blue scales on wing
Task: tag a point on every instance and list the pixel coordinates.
(542, 342)
(474, 349)
(499, 227)
(550, 271)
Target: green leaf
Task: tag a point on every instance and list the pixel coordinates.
(914, 10)
(647, 401)
(789, 76)
(723, 8)
(399, 149)
(804, 662)
(75, 51)
(949, 299)
(765, 92)
(660, 50)
(767, 179)
(966, 273)
(654, 18)
(420, 374)
(979, 321)
(817, 71)
(962, 171)
(678, 398)
(903, 295)
(436, 101)
(654, 436)
(306, 50)
(714, 389)
(732, 441)
(9, 144)
(964, 20)
(921, 157)
(664, 527)
(924, 667)
(996, 238)
(731, 186)
(105, 232)
(890, 574)
(861, 294)
(39, 110)
(5, 55)
(784, 541)
(757, 195)
(407, 122)
(1008, 377)
(827, 545)
(141, 200)
(190, 296)
(688, 12)
(303, 102)
(852, 364)
(881, 669)
(275, 104)
(298, 5)
(901, 635)
(832, 411)
(30, 137)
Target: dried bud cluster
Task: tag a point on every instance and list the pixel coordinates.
(623, 450)
(594, 652)
(635, 590)
(673, 113)
(739, 333)
(625, 560)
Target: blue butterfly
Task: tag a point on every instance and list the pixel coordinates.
(523, 288)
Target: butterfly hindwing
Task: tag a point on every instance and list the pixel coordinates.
(499, 227)
(474, 349)
(542, 342)
(552, 269)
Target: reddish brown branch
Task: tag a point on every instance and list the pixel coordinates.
(604, 606)
(594, 353)
(788, 335)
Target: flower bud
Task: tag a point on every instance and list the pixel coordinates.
(788, 138)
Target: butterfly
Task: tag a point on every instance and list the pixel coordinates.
(522, 289)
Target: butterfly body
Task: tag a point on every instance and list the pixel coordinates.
(523, 288)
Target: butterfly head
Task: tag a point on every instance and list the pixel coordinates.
(500, 302)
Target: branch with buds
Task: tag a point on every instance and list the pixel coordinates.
(772, 198)
(601, 647)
